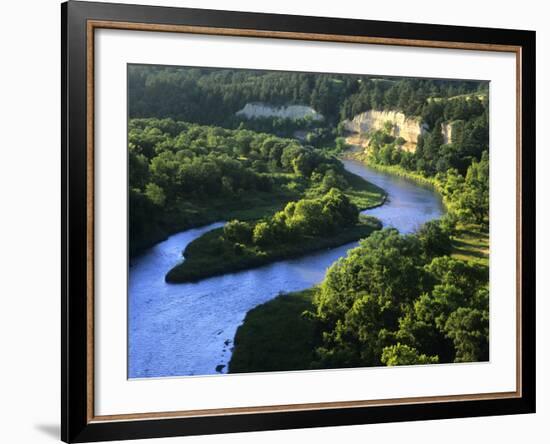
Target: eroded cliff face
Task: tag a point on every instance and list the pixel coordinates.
(447, 130)
(255, 110)
(409, 128)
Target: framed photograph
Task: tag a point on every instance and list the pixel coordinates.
(275, 221)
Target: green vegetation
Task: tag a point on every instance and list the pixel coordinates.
(459, 168)
(394, 300)
(212, 96)
(471, 244)
(470, 139)
(401, 354)
(184, 175)
(414, 97)
(396, 289)
(276, 336)
(302, 227)
(416, 299)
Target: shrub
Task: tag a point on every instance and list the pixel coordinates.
(236, 231)
(401, 354)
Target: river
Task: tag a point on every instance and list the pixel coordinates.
(188, 329)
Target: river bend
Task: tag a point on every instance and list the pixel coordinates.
(188, 329)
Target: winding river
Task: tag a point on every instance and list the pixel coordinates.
(188, 329)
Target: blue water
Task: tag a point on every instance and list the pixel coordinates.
(188, 329)
(409, 204)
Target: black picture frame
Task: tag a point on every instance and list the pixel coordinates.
(76, 423)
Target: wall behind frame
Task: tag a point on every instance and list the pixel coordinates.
(29, 222)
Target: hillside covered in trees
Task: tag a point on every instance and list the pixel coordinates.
(213, 96)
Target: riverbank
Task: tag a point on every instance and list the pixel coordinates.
(276, 336)
(470, 242)
(210, 255)
(393, 169)
(250, 206)
(253, 206)
(279, 336)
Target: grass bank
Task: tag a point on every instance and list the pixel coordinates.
(212, 255)
(363, 194)
(394, 169)
(276, 337)
(471, 243)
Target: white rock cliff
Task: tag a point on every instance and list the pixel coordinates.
(447, 130)
(254, 110)
(409, 128)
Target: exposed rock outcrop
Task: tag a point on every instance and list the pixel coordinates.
(409, 128)
(255, 110)
(447, 130)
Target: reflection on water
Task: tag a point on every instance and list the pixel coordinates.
(188, 329)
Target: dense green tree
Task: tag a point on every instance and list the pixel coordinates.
(331, 179)
(401, 354)
(389, 302)
(307, 217)
(469, 330)
(237, 231)
(177, 166)
(435, 239)
(155, 194)
(264, 234)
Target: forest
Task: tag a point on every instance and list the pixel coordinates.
(183, 175)
(212, 96)
(395, 299)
